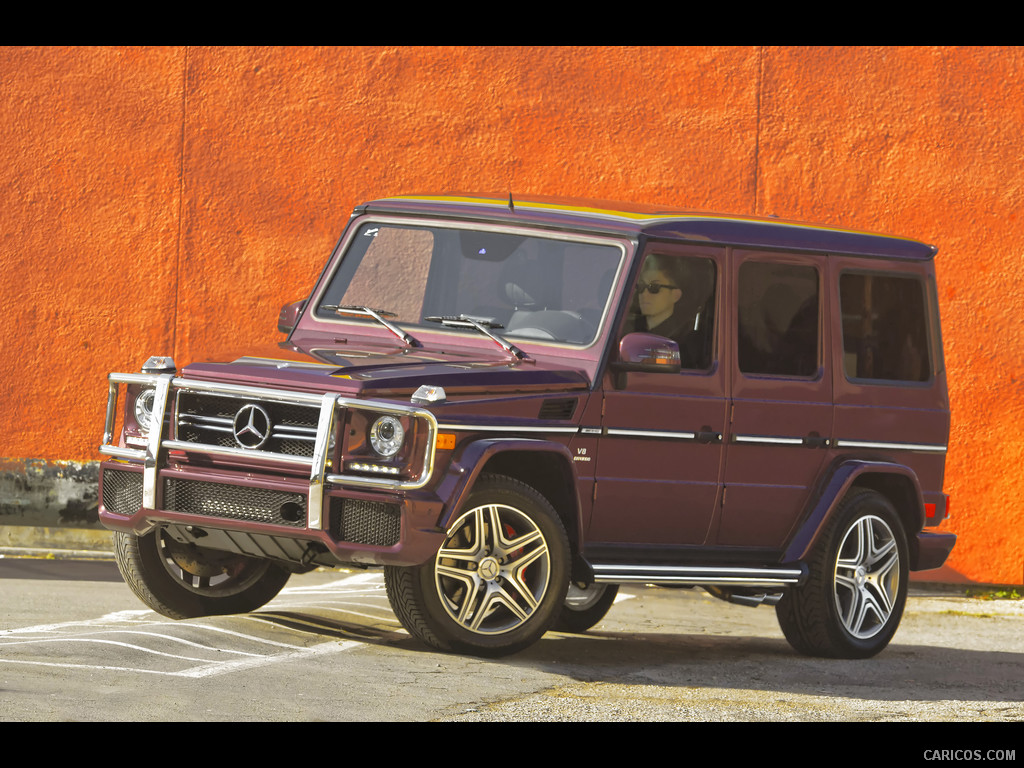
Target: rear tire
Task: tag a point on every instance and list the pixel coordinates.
(498, 580)
(852, 602)
(183, 581)
(585, 606)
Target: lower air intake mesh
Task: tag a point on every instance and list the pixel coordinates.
(365, 522)
(122, 491)
(235, 502)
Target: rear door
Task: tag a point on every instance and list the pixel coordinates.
(781, 401)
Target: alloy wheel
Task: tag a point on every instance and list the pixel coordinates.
(493, 570)
(867, 577)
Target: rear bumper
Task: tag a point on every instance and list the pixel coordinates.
(932, 549)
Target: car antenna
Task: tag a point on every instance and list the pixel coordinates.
(511, 207)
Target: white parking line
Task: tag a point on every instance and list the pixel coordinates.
(141, 623)
(208, 669)
(223, 667)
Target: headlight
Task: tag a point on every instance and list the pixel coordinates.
(144, 409)
(386, 436)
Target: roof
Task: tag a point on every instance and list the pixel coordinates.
(656, 222)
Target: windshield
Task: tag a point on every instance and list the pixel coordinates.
(527, 285)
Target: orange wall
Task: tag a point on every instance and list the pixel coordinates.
(169, 200)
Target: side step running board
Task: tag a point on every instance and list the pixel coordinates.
(724, 576)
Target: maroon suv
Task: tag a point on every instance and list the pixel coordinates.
(516, 406)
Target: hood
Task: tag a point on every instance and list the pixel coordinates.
(382, 370)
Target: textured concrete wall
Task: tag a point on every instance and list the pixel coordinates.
(169, 200)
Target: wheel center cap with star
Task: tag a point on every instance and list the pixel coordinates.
(488, 569)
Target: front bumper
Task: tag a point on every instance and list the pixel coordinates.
(264, 503)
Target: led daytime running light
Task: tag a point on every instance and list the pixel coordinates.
(378, 469)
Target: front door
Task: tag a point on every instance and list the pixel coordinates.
(658, 474)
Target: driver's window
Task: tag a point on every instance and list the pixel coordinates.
(675, 298)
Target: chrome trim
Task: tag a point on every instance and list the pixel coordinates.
(134, 454)
(108, 424)
(570, 431)
(767, 440)
(219, 423)
(328, 403)
(240, 453)
(504, 428)
(684, 574)
(318, 464)
(224, 424)
(156, 430)
(891, 446)
(275, 395)
(652, 433)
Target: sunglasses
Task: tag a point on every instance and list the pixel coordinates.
(653, 288)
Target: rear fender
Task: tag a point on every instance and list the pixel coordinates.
(896, 482)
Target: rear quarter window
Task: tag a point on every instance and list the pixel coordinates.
(885, 327)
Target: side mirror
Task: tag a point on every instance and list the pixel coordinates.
(646, 352)
(290, 315)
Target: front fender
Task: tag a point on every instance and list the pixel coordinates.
(469, 462)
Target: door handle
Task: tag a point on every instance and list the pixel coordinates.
(814, 440)
(707, 436)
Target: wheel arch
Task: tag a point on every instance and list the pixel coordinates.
(544, 465)
(896, 482)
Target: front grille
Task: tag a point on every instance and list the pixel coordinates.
(210, 419)
(122, 491)
(365, 522)
(235, 502)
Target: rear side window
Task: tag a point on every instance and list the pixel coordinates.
(885, 327)
(778, 319)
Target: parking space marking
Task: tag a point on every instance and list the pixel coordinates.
(100, 633)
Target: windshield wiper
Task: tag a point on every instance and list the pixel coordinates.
(481, 324)
(379, 315)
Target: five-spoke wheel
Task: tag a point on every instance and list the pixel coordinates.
(493, 570)
(497, 581)
(867, 577)
(852, 602)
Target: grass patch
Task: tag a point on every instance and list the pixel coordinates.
(995, 594)
(972, 614)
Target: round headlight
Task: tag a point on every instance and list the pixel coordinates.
(144, 409)
(386, 436)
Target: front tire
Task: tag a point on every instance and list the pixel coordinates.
(183, 581)
(853, 600)
(498, 580)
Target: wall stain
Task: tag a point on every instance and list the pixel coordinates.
(37, 492)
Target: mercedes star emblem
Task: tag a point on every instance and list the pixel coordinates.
(251, 426)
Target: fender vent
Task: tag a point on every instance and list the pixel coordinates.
(560, 408)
